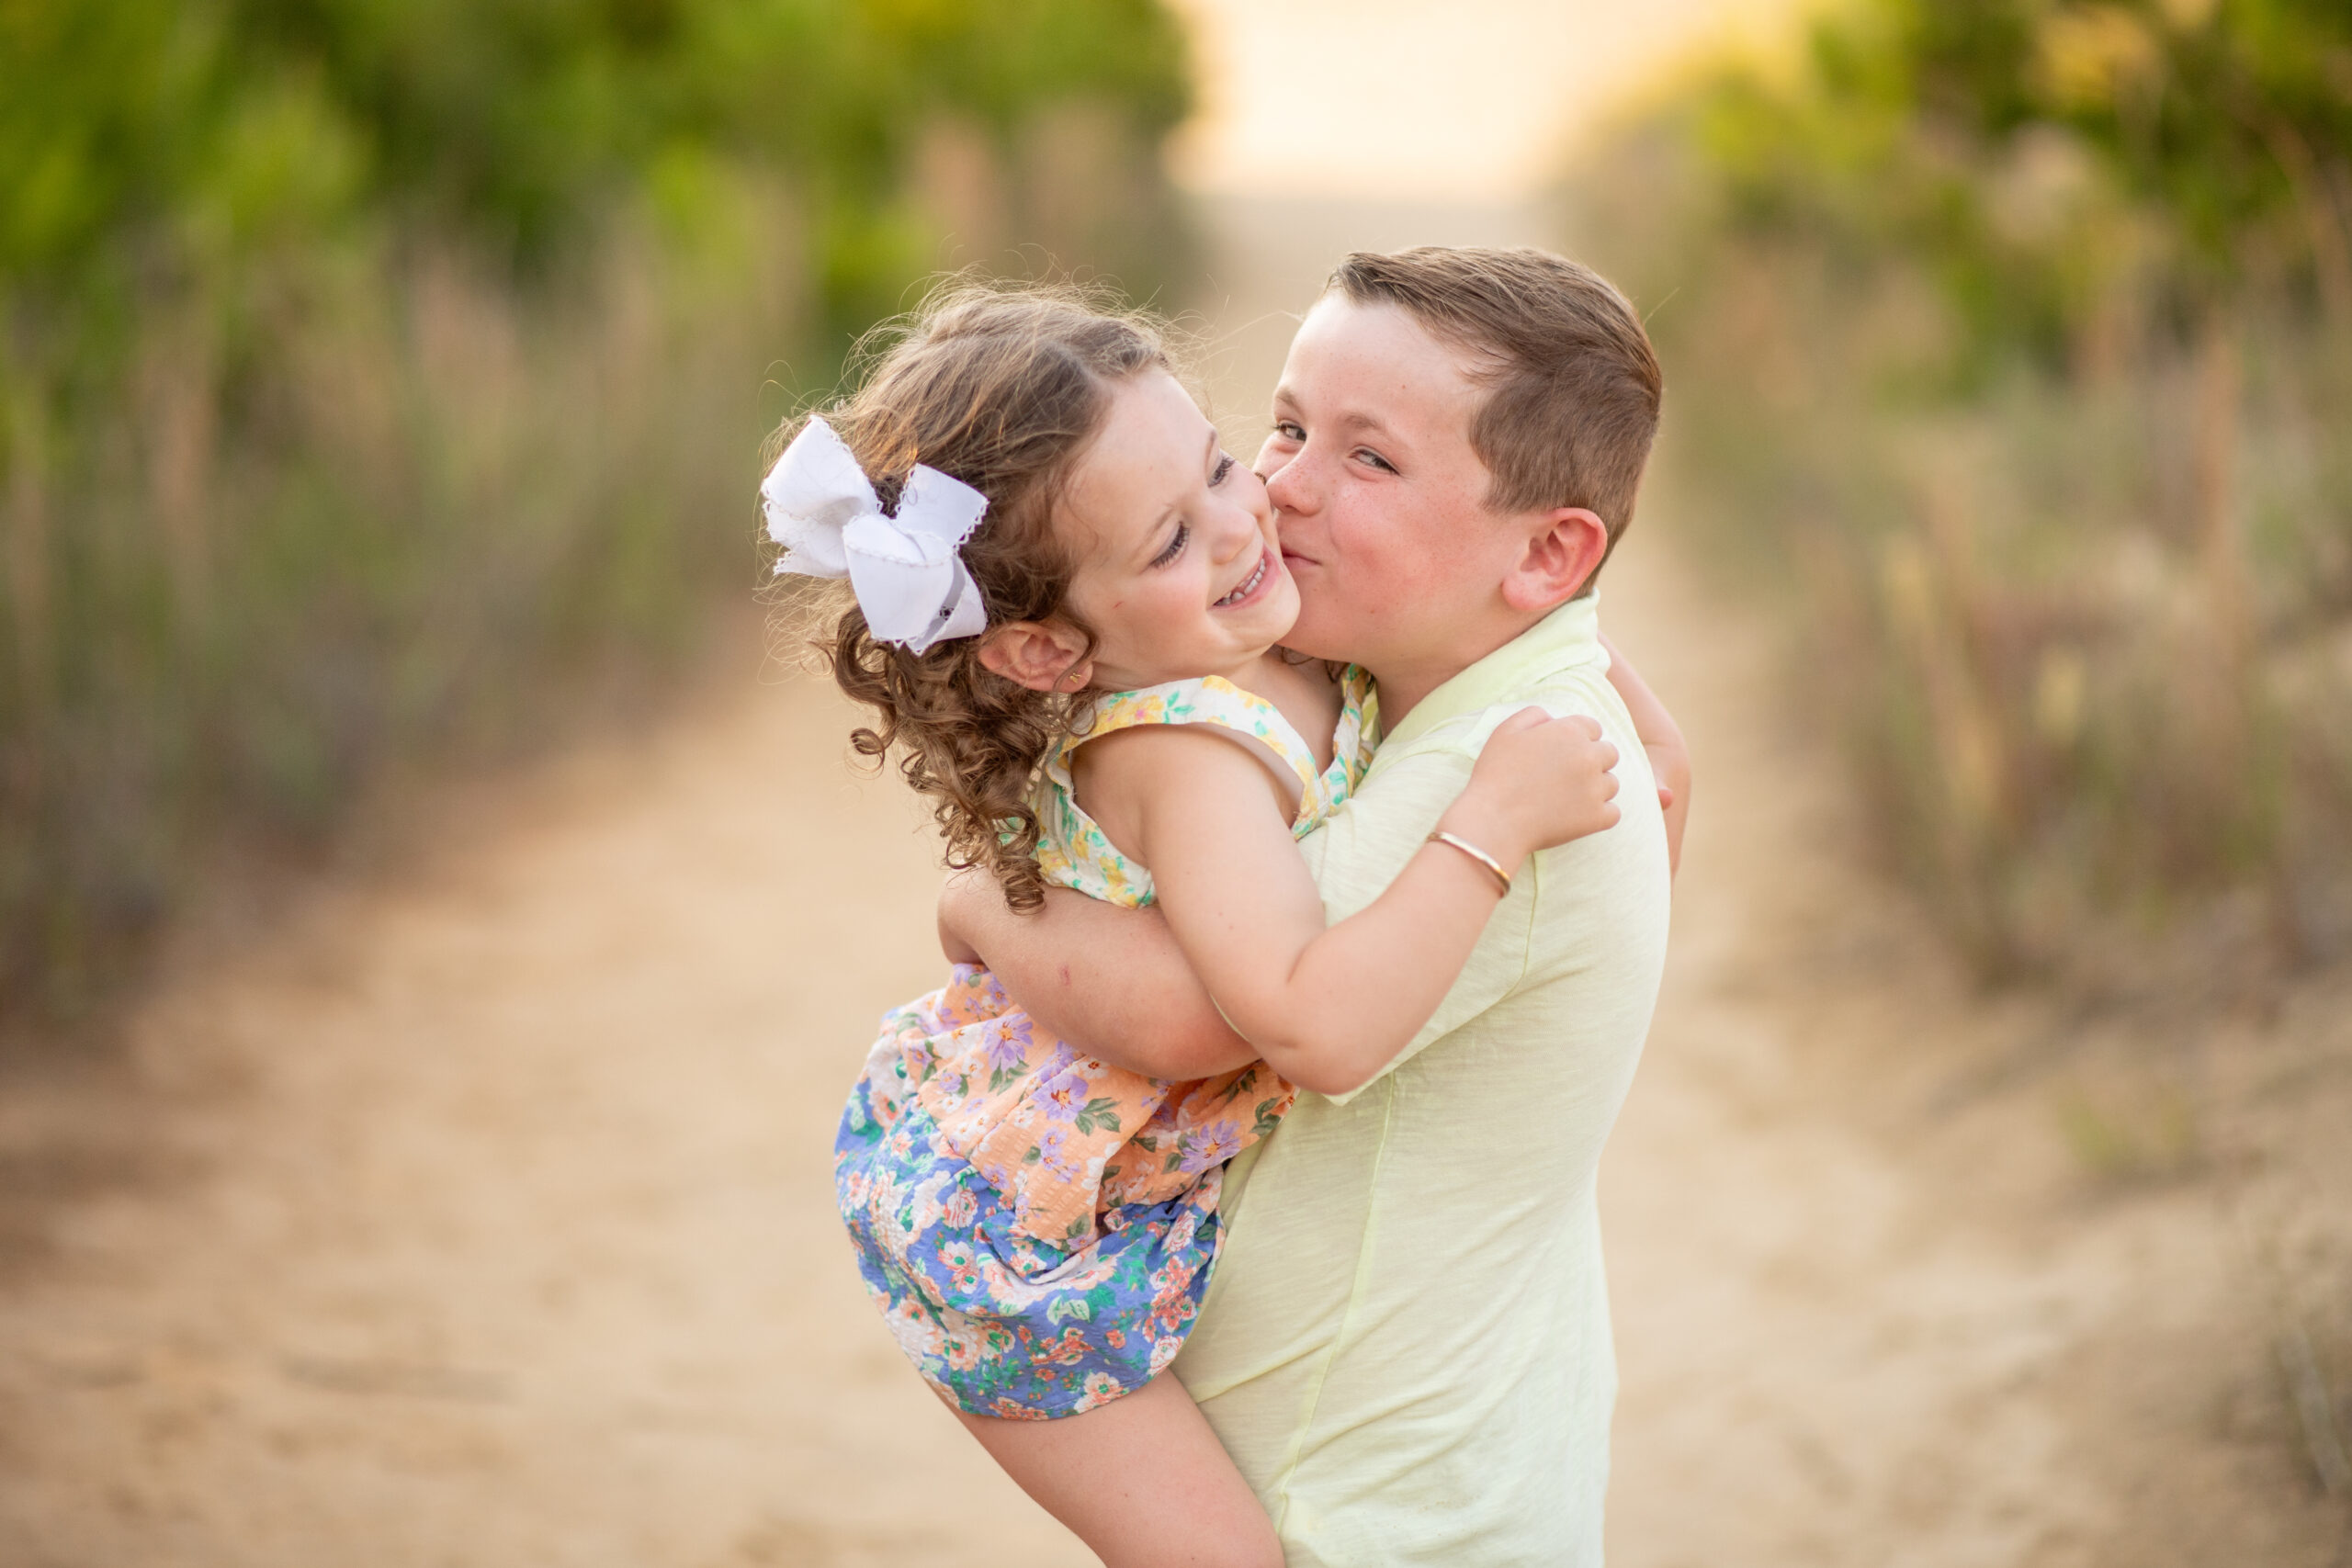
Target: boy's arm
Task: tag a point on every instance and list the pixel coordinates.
(1330, 1007)
(1662, 740)
(1110, 981)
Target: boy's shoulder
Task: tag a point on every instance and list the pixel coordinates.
(1558, 692)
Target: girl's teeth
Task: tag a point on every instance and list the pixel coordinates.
(1248, 583)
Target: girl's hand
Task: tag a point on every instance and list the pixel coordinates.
(1540, 781)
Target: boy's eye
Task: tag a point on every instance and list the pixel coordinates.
(1175, 546)
(1288, 431)
(1223, 469)
(1376, 460)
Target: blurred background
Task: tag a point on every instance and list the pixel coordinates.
(382, 390)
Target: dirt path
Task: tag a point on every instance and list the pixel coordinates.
(482, 1215)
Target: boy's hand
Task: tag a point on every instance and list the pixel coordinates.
(1662, 740)
(1112, 981)
(1540, 781)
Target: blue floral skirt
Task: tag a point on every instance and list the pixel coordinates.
(997, 1321)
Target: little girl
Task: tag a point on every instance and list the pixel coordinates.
(1067, 602)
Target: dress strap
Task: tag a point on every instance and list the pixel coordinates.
(1212, 700)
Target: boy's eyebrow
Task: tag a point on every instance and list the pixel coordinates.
(1356, 418)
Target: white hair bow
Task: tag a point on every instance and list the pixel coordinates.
(906, 570)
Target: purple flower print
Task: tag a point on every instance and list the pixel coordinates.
(1212, 1145)
(1053, 1153)
(985, 996)
(1008, 1049)
(1063, 1096)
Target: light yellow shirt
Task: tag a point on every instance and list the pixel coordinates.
(1405, 1344)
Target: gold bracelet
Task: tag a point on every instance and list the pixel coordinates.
(1494, 866)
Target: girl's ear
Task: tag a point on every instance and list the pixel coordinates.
(1038, 654)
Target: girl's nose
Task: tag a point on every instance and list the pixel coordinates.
(1238, 524)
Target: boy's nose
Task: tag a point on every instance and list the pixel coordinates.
(1288, 488)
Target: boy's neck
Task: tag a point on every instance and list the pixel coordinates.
(1405, 684)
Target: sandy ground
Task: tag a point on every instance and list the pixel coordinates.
(481, 1215)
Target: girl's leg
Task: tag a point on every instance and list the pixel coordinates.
(1142, 1481)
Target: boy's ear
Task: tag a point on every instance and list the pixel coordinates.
(1566, 548)
(1038, 654)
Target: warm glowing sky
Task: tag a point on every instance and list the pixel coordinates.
(1428, 100)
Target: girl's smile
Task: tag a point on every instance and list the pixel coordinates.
(1179, 570)
(1268, 567)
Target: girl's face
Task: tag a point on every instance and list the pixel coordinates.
(1179, 571)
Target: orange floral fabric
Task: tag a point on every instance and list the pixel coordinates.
(1065, 1136)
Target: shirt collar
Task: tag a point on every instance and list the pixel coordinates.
(1565, 639)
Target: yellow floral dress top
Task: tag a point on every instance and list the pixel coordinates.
(1036, 1224)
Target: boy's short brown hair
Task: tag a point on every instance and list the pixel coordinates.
(1575, 384)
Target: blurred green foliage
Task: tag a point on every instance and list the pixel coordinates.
(2041, 158)
(370, 370)
(2014, 339)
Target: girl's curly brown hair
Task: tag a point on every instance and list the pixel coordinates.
(1003, 388)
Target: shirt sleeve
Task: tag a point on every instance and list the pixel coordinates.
(1359, 850)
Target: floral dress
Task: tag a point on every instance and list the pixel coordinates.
(1036, 1224)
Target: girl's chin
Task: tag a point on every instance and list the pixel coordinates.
(1269, 619)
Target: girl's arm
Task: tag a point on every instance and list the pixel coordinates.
(1662, 740)
(1329, 1008)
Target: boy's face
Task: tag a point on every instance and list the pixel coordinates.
(1382, 498)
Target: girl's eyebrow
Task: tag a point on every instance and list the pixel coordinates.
(1151, 544)
(1154, 541)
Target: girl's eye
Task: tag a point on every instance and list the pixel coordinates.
(1223, 467)
(1288, 431)
(1175, 546)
